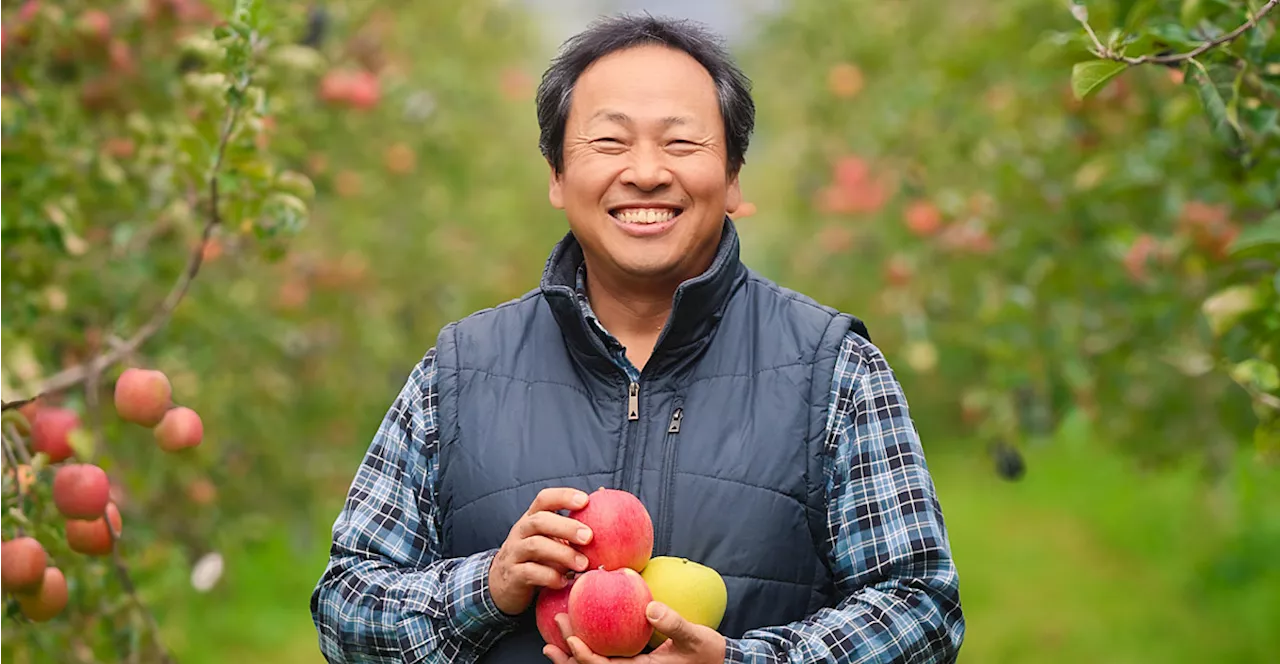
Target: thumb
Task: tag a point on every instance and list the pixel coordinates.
(671, 624)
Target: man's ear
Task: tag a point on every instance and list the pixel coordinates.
(555, 193)
(733, 195)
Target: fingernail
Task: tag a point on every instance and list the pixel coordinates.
(580, 562)
(580, 500)
(584, 534)
(655, 611)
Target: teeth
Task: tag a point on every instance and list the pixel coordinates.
(645, 215)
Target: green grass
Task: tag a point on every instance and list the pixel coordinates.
(1084, 560)
(1088, 560)
(260, 609)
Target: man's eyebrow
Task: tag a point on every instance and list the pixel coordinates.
(624, 119)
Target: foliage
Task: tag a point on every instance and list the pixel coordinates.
(369, 144)
(1040, 254)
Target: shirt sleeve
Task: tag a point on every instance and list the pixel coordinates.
(899, 591)
(386, 594)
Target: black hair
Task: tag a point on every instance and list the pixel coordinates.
(615, 33)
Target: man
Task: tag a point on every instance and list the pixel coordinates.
(766, 435)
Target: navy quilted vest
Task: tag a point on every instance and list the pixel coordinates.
(720, 438)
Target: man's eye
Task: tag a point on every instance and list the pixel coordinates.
(607, 140)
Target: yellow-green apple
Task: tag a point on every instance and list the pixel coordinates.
(606, 611)
(621, 530)
(693, 590)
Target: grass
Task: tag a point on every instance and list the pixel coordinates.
(1084, 560)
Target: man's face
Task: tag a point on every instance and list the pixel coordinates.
(645, 183)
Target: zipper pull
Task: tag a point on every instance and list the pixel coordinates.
(633, 402)
(676, 416)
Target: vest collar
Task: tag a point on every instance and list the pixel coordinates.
(697, 305)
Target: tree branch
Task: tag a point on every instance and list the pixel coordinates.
(81, 373)
(126, 582)
(1105, 53)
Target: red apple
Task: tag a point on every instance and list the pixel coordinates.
(81, 491)
(621, 530)
(552, 602)
(923, 218)
(29, 411)
(49, 601)
(181, 428)
(22, 564)
(50, 432)
(95, 24)
(93, 538)
(143, 396)
(335, 87)
(606, 611)
(363, 90)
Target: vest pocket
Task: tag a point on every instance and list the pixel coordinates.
(663, 526)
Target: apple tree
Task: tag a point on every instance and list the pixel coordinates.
(403, 136)
(136, 149)
(1038, 248)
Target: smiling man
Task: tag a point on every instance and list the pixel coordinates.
(764, 432)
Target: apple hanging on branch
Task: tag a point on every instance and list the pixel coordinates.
(63, 523)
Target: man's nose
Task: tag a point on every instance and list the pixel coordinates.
(648, 168)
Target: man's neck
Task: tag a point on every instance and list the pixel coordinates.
(635, 315)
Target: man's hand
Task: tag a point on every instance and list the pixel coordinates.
(686, 642)
(537, 551)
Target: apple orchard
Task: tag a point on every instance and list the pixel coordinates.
(1044, 231)
(136, 143)
(185, 373)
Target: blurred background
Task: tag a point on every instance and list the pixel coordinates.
(1079, 295)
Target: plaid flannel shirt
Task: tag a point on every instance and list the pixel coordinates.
(387, 595)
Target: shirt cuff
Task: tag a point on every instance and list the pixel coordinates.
(466, 606)
(741, 651)
(471, 606)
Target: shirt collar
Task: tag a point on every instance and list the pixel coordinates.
(697, 304)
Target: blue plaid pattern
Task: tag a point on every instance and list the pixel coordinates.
(388, 596)
(617, 352)
(885, 533)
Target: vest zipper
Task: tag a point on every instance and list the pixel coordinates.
(665, 517)
(629, 438)
(633, 402)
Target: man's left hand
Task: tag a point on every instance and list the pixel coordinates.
(687, 643)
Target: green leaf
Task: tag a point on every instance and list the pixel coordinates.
(1265, 234)
(1191, 12)
(1224, 308)
(1209, 85)
(1089, 77)
(1132, 13)
(1255, 372)
(81, 442)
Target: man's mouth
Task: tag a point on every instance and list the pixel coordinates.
(645, 215)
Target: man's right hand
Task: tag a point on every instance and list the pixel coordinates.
(535, 553)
